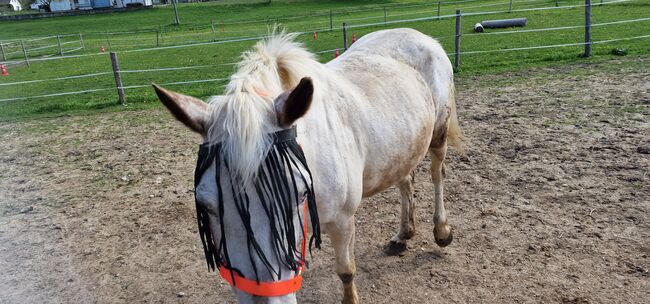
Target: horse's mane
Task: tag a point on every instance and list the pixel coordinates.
(244, 116)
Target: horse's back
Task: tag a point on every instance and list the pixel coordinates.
(407, 45)
(404, 83)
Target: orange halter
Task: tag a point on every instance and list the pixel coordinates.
(275, 288)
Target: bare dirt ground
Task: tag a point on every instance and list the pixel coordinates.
(551, 206)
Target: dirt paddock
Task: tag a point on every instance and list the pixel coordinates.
(550, 206)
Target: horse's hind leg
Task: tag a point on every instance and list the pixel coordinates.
(438, 149)
(407, 222)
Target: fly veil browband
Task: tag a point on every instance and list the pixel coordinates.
(279, 197)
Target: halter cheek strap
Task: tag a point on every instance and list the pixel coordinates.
(275, 288)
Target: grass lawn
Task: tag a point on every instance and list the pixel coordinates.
(235, 21)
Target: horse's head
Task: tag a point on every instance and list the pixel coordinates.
(253, 189)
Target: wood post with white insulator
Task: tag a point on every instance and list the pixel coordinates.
(587, 28)
(118, 79)
(22, 43)
(345, 36)
(214, 33)
(81, 40)
(457, 58)
(2, 49)
(58, 40)
(177, 21)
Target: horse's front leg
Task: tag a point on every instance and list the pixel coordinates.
(342, 235)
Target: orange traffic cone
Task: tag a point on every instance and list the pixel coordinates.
(4, 70)
(354, 37)
(102, 49)
(336, 53)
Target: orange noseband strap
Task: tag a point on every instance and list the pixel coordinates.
(263, 289)
(269, 289)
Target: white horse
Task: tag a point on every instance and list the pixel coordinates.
(364, 120)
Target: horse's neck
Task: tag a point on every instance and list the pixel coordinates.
(333, 112)
(332, 141)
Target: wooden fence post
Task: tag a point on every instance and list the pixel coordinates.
(457, 61)
(176, 20)
(214, 33)
(118, 79)
(587, 28)
(331, 22)
(81, 40)
(22, 42)
(2, 49)
(58, 40)
(345, 36)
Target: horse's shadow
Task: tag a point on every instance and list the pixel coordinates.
(381, 263)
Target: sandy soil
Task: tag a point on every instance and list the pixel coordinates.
(551, 205)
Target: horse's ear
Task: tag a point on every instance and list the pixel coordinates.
(191, 111)
(292, 105)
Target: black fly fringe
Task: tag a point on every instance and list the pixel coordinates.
(206, 154)
(276, 185)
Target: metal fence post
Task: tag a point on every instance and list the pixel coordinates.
(438, 9)
(2, 49)
(385, 17)
(108, 40)
(22, 42)
(457, 61)
(587, 28)
(157, 37)
(557, 3)
(81, 40)
(510, 7)
(345, 36)
(58, 40)
(118, 78)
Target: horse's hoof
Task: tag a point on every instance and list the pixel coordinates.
(443, 242)
(395, 248)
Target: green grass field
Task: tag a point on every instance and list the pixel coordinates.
(233, 21)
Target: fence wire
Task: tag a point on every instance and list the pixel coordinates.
(326, 51)
(258, 37)
(556, 28)
(241, 39)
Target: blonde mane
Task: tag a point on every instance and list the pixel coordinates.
(244, 116)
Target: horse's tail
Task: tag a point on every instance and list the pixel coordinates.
(455, 136)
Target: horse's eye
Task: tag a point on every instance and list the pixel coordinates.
(207, 200)
(303, 196)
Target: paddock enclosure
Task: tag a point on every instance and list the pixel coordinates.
(550, 205)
